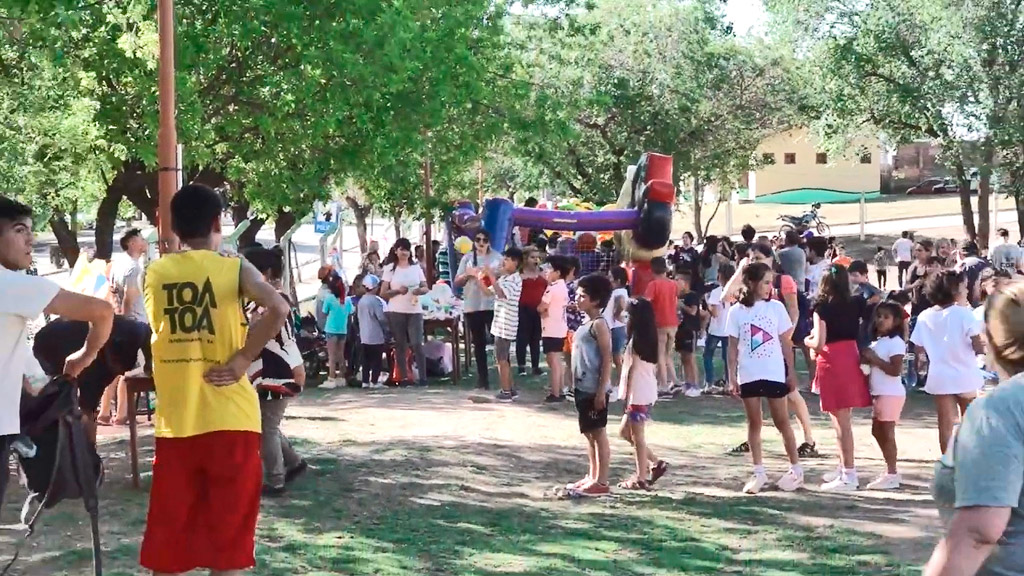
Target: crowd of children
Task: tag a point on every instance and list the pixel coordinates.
(750, 305)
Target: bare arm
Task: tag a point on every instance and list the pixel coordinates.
(977, 344)
(786, 339)
(275, 312)
(791, 306)
(100, 316)
(892, 366)
(816, 340)
(604, 344)
(734, 355)
(732, 288)
(973, 535)
(619, 307)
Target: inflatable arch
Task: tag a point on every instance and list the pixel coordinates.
(642, 218)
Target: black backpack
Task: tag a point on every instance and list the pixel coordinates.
(65, 465)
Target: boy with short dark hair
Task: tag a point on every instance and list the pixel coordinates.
(505, 327)
(858, 272)
(688, 313)
(25, 298)
(208, 474)
(553, 325)
(591, 377)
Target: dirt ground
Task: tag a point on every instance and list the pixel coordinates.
(426, 482)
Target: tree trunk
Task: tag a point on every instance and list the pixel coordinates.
(283, 223)
(696, 208)
(359, 213)
(964, 183)
(248, 237)
(984, 193)
(66, 237)
(398, 224)
(106, 220)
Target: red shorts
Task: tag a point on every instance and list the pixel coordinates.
(204, 503)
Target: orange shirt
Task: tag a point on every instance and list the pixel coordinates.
(664, 295)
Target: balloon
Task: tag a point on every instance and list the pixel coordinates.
(609, 207)
(463, 244)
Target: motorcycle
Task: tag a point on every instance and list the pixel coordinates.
(806, 221)
(312, 343)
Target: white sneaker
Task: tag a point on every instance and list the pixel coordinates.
(691, 391)
(886, 482)
(832, 476)
(329, 384)
(366, 385)
(841, 485)
(755, 484)
(378, 386)
(790, 481)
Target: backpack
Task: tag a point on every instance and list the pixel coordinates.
(802, 327)
(65, 465)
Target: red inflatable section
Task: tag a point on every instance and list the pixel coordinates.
(659, 167)
(661, 191)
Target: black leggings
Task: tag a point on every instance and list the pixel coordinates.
(882, 277)
(528, 336)
(901, 269)
(479, 324)
(373, 362)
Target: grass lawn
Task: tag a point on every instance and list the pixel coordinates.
(423, 482)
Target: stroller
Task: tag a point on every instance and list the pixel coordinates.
(312, 343)
(63, 463)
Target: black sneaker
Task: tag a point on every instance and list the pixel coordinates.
(504, 396)
(297, 471)
(552, 399)
(538, 372)
(523, 373)
(273, 491)
(515, 393)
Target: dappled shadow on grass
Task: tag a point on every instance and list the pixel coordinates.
(425, 516)
(462, 499)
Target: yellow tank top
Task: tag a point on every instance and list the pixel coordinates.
(193, 300)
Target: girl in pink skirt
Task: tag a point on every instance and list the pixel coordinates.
(838, 377)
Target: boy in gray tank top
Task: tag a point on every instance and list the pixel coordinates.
(591, 377)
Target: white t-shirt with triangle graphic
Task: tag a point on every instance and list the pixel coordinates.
(758, 329)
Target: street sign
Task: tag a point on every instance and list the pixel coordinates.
(325, 217)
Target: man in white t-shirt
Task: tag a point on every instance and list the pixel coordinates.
(1005, 256)
(25, 298)
(903, 253)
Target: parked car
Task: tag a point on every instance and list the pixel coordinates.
(926, 187)
(941, 186)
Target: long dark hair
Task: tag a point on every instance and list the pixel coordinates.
(894, 310)
(753, 275)
(835, 286)
(392, 258)
(642, 330)
(269, 261)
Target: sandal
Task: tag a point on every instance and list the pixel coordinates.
(741, 449)
(101, 421)
(633, 483)
(808, 450)
(657, 471)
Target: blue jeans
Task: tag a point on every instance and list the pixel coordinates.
(710, 343)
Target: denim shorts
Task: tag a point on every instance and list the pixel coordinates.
(618, 340)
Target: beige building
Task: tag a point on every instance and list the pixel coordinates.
(794, 162)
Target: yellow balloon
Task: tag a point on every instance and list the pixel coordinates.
(609, 207)
(463, 244)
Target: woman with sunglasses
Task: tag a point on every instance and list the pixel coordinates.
(476, 275)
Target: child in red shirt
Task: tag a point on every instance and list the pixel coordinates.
(663, 294)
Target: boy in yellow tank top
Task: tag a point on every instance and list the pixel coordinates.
(207, 474)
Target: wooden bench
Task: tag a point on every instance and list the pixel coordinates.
(136, 386)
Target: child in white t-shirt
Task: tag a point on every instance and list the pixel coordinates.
(638, 388)
(949, 335)
(885, 358)
(718, 335)
(761, 366)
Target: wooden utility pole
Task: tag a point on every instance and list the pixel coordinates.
(167, 137)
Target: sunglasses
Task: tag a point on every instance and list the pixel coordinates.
(482, 240)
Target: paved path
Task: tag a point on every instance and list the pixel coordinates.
(1006, 218)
